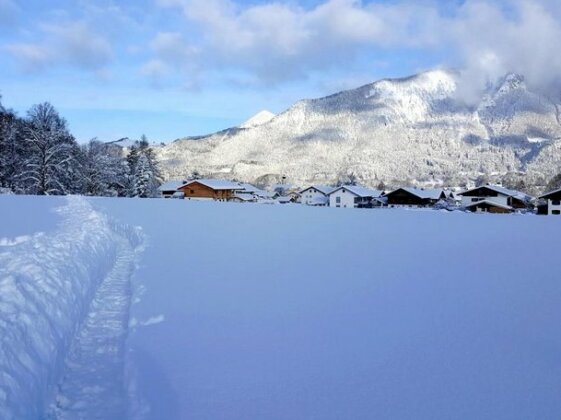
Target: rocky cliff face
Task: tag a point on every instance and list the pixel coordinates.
(414, 130)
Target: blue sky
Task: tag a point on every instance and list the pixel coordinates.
(171, 68)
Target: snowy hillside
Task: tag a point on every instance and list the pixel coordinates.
(396, 131)
(274, 312)
(258, 119)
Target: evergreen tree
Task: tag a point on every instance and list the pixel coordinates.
(143, 168)
(11, 150)
(143, 178)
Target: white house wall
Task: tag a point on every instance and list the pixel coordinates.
(553, 206)
(313, 197)
(346, 199)
(500, 199)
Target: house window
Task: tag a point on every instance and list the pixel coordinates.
(556, 212)
(556, 202)
(338, 200)
(192, 191)
(473, 200)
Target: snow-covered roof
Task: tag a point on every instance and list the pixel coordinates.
(216, 184)
(256, 191)
(502, 190)
(555, 192)
(491, 202)
(171, 185)
(324, 189)
(432, 194)
(244, 196)
(359, 191)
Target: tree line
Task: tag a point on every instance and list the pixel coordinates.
(39, 155)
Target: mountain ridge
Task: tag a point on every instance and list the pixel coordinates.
(412, 130)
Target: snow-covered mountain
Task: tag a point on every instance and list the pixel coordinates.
(415, 130)
(258, 119)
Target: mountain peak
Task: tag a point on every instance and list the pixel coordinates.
(260, 118)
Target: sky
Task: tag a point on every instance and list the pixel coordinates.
(175, 68)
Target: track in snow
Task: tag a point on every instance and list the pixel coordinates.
(92, 385)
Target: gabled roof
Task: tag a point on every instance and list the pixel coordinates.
(490, 202)
(430, 194)
(555, 193)
(359, 191)
(215, 184)
(171, 185)
(324, 189)
(502, 190)
(244, 196)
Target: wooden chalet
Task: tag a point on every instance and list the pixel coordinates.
(210, 189)
(495, 199)
(415, 197)
(552, 206)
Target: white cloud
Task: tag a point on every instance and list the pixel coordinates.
(31, 56)
(74, 44)
(276, 41)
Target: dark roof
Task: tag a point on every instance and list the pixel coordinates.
(431, 194)
(501, 190)
(552, 195)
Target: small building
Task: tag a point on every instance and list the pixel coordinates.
(350, 196)
(169, 189)
(210, 189)
(553, 203)
(496, 194)
(316, 195)
(415, 197)
(488, 206)
(257, 193)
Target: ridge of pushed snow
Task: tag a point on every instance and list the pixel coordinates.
(258, 119)
(47, 285)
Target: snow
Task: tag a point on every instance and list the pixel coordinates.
(414, 131)
(49, 284)
(216, 184)
(289, 312)
(504, 191)
(26, 208)
(360, 191)
(171, 185)
(260, 118)
(324, 189)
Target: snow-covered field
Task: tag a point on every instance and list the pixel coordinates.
(170, 309)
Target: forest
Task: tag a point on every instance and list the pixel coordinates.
(39, 155)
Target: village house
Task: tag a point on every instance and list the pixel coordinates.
(495, 199)
(415, 197)
(553, 202)
(316, 195)
(169, 189)
(350, 196)
(210, 189)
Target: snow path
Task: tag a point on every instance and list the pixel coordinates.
(53, 289)
(93, 384)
